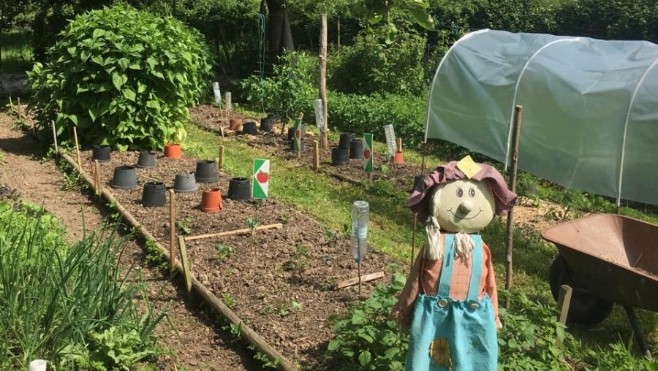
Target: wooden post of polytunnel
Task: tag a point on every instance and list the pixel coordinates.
(323, 81)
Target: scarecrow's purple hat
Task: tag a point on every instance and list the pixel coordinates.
(419, 205)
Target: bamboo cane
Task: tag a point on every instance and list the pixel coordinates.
(516, 131)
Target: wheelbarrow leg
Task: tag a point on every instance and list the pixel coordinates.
(641, 341)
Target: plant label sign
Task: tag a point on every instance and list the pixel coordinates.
(261, 179)
(217, 92)
(367, 153)
(390, 139)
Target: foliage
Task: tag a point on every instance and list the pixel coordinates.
(360, 113)
(61, 303)
(374, 11)
(289, 91)
(372, 66)
(123, 77)
(367, 339)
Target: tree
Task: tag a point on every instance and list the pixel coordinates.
(279, 36)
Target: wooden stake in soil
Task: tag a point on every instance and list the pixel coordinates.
(77, 147)
(365, 278)
(316, 155)
(52, 123)
(97, 179)
(172, 227)
(187, 275)
(516, 131)
(221, 157)
(236, 231)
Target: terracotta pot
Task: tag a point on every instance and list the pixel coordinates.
(124, 177)
(398, 158)
(235, 124)
(339, 156)
(154, 194)
(101, 153)
(239, 189)
(146, 159)
(211, 201)
(356, 149)
(172, 150)
(185, 183)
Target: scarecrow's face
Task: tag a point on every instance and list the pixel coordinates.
(463, 206)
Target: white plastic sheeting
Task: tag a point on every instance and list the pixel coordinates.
(590, 108)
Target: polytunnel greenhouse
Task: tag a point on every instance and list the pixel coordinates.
(590, 108)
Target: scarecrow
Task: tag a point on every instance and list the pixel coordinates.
(449, 302)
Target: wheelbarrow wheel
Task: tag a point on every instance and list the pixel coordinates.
(585, 308)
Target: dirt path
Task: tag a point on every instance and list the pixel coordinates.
(191, 335)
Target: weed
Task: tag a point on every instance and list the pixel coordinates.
(301, 251)
(236, 329)
(266, 309)
(185, 224)
(223, 251)
(264, 359)
(252, 223)
(228, 300)
(155, 258)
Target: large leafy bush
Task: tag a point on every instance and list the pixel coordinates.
(123, 77)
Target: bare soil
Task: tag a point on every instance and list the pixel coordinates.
(281, 282)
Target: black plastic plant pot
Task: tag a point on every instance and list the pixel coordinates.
(154, 194)
(301, 145)
(125, 177)
(101, 153)
(239, 189)
(146, 159)
(345, 140)
(356, 149)
(267, 123)
(291, 132)
(206, 171)
(249, 127)
(339, 156)
(185, 183)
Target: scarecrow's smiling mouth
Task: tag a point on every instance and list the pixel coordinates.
(464, 217)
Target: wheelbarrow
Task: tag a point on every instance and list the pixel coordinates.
(606, 259)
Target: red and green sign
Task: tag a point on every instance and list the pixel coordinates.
(367, 153)
(261, 179)
(297, 146)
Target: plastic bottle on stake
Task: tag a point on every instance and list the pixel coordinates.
(360, 212)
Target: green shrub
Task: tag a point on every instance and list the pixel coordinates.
(373, 66)
(289, 91)
(360, 113)
(123, 77)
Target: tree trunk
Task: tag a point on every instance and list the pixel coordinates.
(279, 36)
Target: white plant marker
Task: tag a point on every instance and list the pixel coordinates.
(227, 99)
(52, 123)
(319, 115)
(217, 92)
(390, 139)
(38, 365)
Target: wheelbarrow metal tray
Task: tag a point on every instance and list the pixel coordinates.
(613, 256)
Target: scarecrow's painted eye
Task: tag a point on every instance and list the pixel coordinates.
(471, 192)
(460, 192)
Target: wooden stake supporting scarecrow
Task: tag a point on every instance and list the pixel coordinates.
(450, 302)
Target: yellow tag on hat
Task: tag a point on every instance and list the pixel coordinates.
(468, 167)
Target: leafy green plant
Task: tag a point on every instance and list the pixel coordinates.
(301, 251)
(56, 298)
(252, 223)
(223, 251)
(185, 224)
(122, 77)
(289, 91)
(367, 339)
(228, 300)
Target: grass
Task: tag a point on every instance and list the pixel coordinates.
(391, 227)
(16, 52)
